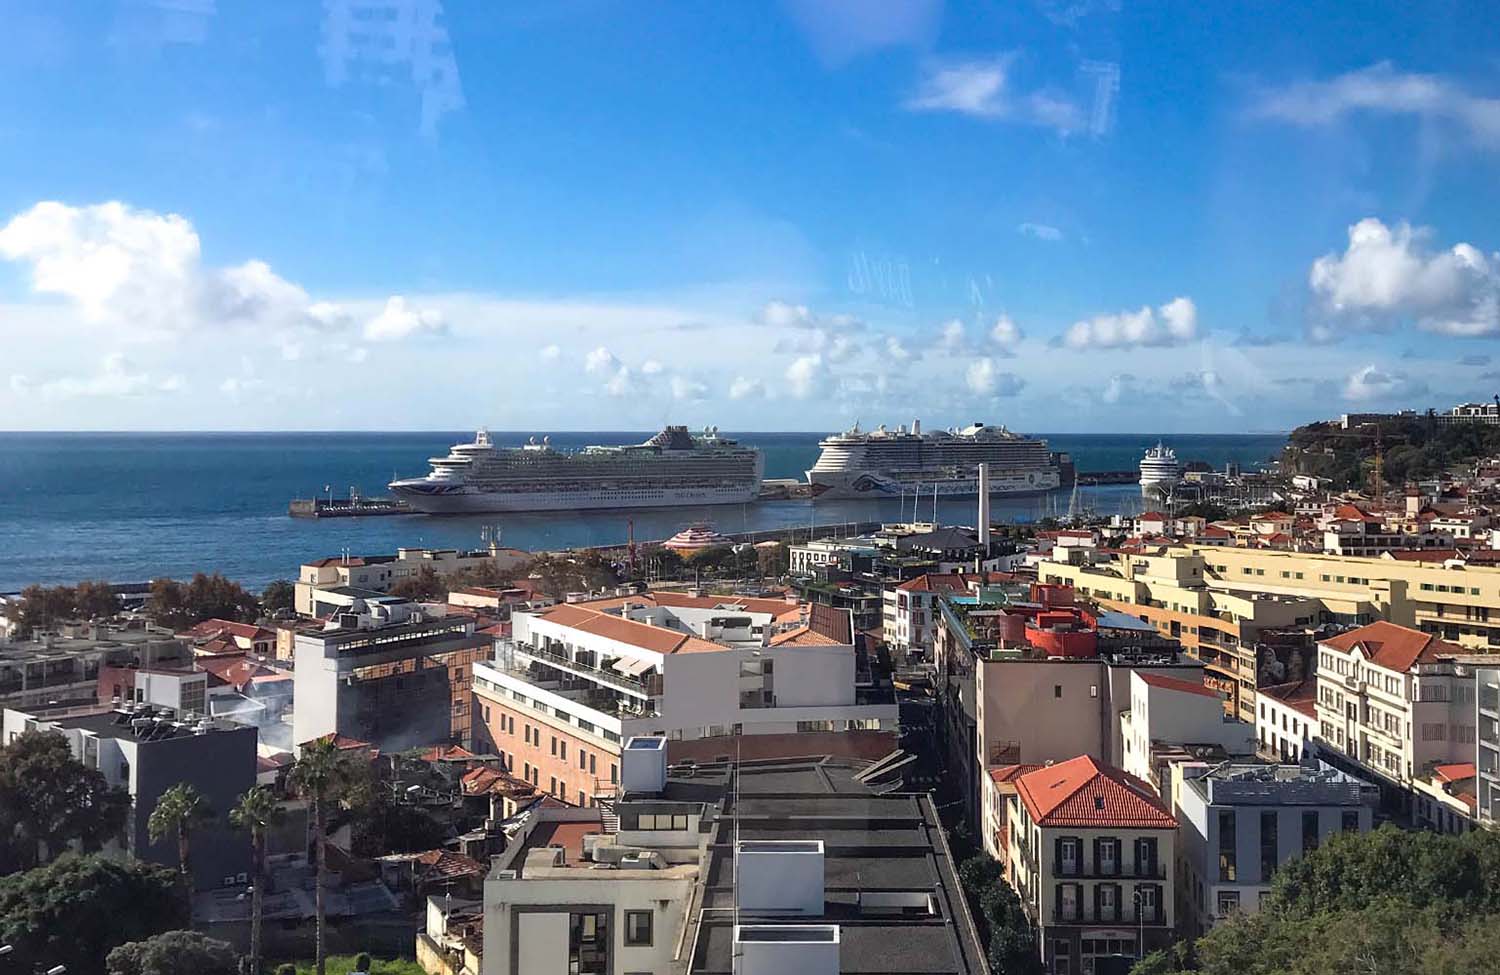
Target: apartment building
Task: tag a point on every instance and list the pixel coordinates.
(378, 573)
(1487, 761)
(578, 679)
(146, 751)
(1396, 702)
(1178, 593)
(761, 868)
(1286, 719)
(62, 668)
(388, 674)
(1090, 850)
(1168, 714)
(909, 611)
(1241, 823)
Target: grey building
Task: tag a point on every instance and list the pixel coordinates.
(146, 752)
(1487, 758)
(1239, 823)
(394, 678)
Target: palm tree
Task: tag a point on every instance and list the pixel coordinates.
(323, 775)
(178, 810)
(257, 811)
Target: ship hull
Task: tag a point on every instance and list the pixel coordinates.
(466, 499)
(866, 484)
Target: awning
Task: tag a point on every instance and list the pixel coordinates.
(632, 667)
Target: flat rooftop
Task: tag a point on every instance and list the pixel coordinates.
(889, 880)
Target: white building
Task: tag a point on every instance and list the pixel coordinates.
(378, 573)
(1286, 719)
(1396, 700)
(806, 556)
(909, 610)
(1167, 710)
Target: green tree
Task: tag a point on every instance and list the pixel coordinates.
(385, 826)
(180, 810)
(177, 606)
(173, 953)
(773, 560)
(279, 595)
(76, 908)
(42, 608)
(48, 799)
(257, 812)
(327, 778)
(96, 600)
(425, 585)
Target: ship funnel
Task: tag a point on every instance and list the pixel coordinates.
(984, 508)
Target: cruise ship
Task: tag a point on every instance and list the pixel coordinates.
(887, 463)
(1160, 470)
(672, 468)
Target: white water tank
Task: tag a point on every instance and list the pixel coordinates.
(643, 766)
(780, 876)
(786, 949)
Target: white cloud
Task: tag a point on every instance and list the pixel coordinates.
(985, 379)
(744, 387)
(1120, 386)
(550, 353)
(651, 367)
(897, 350)
(600, 361)
(398, 320)
(1389, 274)
(982, 89)
(1373, 383)
(805, 376)
(781, 314)
(1005, 333)
(135, 270)
(684, 388)
(116, 377)
(621, 383)
(1382, 89)
(1173, 323)
(952, 337)
(1040, 231)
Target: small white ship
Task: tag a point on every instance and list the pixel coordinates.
(670, 469)
(889, 463)
(1160, 470)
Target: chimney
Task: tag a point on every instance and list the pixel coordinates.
(984, 508)
(780, 876)
(786, 949)
(643, 766)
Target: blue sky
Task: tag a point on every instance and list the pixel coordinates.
(1089, 215)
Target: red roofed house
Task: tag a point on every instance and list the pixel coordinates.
(910, 609)
(1175, 711)
(227, 636)
(1286, 719)
(1391, 700)
(1091, 854)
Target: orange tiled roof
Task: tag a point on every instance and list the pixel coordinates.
(1300, 695)
(1009, 773)
(1392, 647)
(1082, 793)
(579, 616)
(448, 753)
(1456, 772)
(953, 581)
(804, 636)
(1176, 684)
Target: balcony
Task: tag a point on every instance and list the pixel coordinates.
(648, 686)
(1126, 915)
(1155, 871)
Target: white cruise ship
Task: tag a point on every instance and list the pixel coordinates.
(887, 463)
(1160, 470)
(672, 468)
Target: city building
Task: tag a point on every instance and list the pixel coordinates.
(1487, 761)
(378, 573)
(1169, 716)
(1396, 702)
(61, 668)
(389, 675)
(910, 611)
(578, 679)
(1286, 719)
(147, 751)
(1089, 853)
(214, 637)
(1240, 823)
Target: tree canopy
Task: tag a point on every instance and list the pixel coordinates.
(178, 606)
(1010, 941)
(173, 953)
(42, 607)
(75, 909)
(1390, 901)
(279, 595)
(48, 799)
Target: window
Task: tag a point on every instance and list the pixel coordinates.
(1268, 849)
(1108, 856)
(1227, 843)
(1145, 857)
(614, 774)
(582, 759)
(1109, 902)
(1350, 821)
(1067, 855)
(588, 944)
(553, 787)
(554, 744)
(1229, 902)
(1309, 831)
(1057, 690)
(562, 750)
(638, 929)
(1067, 901)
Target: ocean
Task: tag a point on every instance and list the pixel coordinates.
(131, 507)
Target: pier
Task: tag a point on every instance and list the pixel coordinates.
(1096, 478)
